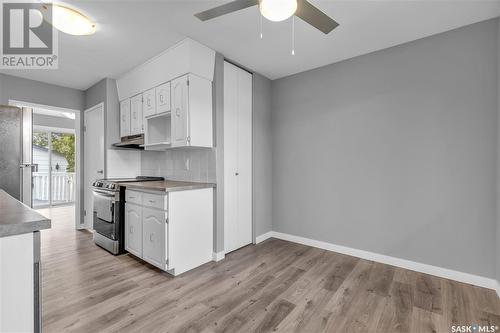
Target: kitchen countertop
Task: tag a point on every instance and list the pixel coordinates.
(166, 185)
(17, 218)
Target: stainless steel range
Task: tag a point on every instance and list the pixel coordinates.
(109, 212)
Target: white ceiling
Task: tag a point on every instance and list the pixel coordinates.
(130, 32)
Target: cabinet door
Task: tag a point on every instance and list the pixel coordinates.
(180, 107)
(153, 237)
(163, 98)
(136, 115)
(237, 157)
(149, 102)
(133, 229)
(125, 117)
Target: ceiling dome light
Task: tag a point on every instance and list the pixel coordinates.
(71, 22)
(277, 10)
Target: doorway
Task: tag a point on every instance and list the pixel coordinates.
(94, 157)
(54, 147)
(54, 177)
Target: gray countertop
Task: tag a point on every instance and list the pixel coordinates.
(17, 218)
(166, 185)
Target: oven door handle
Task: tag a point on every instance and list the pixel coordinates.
(103, 194)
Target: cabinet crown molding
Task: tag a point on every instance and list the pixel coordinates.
(187, 56)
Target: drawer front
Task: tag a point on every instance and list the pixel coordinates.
(163, 98)
(133, 197)
(148, 102)
(154, 201)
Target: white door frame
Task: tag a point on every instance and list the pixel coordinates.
(78, 124)
(99, 105)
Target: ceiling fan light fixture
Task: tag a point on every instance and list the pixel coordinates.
(277, 10)
(71, 21)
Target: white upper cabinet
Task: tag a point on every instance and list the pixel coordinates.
(187, 56)
(136, 115)
(149, 102)
(179, 112)
(191, 112)
(163, 98)
(171, 97)
(125, 117)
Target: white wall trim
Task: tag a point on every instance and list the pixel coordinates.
(54, 129)
(403, 263)
(41, 106)
(218, 256)
(263, 237)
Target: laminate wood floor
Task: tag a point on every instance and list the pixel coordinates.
(274, 286)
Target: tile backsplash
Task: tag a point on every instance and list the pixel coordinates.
(187, 164)
(123, 163)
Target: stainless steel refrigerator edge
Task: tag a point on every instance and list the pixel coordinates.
(16, 164)
(16, 167)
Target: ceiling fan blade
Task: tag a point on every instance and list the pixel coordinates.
(315, 17)
(226, 9)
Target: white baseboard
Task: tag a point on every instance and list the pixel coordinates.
(403, 263)
(218, 256)
(263, 237)
(498, 289)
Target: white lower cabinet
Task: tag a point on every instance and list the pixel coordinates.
(154, 226)
(166, 231)
(133, 229)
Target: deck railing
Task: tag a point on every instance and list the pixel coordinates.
(63, 187)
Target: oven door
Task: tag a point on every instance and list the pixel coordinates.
(104, 214)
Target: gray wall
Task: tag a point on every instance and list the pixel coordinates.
(51, 121)
(394, 152)
(498, 158)
(262, 155)
(218, 101)
(38, 92)
(105, 91)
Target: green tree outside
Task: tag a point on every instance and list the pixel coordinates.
(62, 143)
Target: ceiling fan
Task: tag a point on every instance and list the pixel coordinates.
(276, 10)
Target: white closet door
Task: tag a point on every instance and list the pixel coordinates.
(237, 157)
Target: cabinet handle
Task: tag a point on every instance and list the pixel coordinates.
(131, 230)
(151, 237)
(236, 173)
(177, 112)
(152, 201)
(161, 98)
(131, 197)
(135, 115)
(149, 102)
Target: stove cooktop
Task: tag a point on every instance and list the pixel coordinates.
(112, 183)
(127, 180)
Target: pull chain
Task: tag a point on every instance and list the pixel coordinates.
(293, 35)
(260, 15)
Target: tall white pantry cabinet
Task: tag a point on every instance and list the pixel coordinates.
(237, 157)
